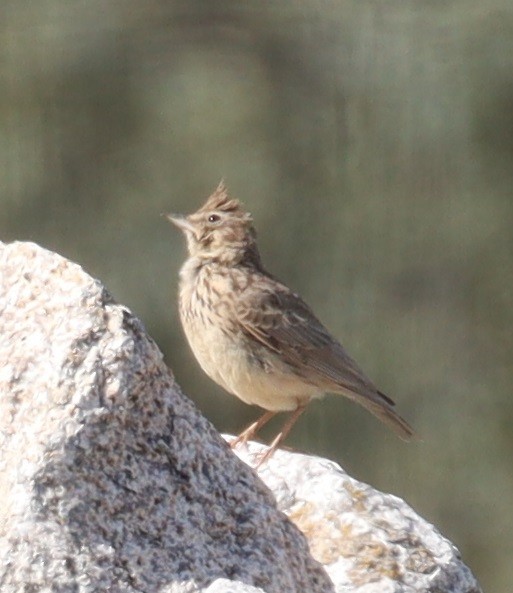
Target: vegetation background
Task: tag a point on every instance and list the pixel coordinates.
(373, 142)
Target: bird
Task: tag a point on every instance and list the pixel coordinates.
(253, 335)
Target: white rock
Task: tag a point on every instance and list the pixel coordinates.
(368, 541)
(112, 481)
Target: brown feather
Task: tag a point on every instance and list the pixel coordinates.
(282, 322)
(251, 333)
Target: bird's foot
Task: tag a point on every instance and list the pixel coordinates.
(249, 432)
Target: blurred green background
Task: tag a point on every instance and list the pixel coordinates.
(373, 142)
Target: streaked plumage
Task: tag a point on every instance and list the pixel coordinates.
(254, 336)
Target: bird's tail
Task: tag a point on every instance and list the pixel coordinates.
(381, 406)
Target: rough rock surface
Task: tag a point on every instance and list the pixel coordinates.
(368, 541)
(111, 480)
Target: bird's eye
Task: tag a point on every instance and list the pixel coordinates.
(214, 218)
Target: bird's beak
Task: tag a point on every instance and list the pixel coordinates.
(181, 222)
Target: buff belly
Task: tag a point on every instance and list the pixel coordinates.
(226, 361)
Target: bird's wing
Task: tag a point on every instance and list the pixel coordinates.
(284, 323)
(281, 321)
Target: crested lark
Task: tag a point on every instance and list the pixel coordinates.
(254, 336)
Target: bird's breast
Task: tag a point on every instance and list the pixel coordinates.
(228, 356)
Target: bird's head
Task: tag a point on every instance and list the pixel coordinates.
(221, 230)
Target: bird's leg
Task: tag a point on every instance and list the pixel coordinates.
(281, 435)
(249, 432)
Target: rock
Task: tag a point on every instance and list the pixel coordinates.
(369, 542)
(111, 480)
(226, 586)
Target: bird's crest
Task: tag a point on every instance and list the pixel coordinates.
(220, 200)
